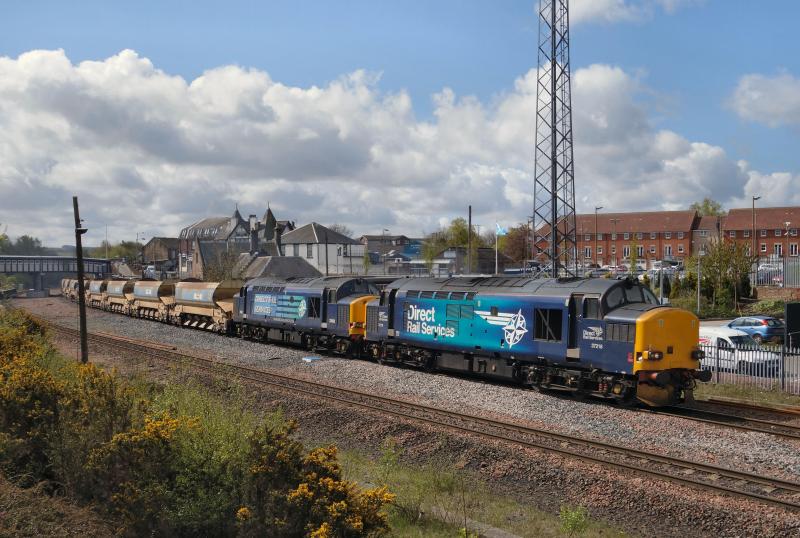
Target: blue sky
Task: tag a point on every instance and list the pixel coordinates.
(664, 71)
(691, 58)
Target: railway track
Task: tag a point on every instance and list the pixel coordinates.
(788, 431)
(773, 491)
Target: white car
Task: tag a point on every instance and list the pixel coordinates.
(736, 351)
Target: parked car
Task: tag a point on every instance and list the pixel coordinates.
(760, 328)
(736, 351)
(601, 272)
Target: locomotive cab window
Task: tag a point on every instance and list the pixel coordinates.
(591, 308)
(548, 324)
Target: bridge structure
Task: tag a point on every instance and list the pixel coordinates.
(49, 270)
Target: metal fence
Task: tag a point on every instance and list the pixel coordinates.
(767, 367)
(777, 272)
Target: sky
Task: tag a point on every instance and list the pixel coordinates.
(392, 114)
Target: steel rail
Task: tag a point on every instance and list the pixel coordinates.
(788, 431)
(773, 491)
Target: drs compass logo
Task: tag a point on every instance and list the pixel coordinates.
(514, 325)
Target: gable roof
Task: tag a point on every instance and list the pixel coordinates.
(769, 218)
(314, 233)
(640, 221)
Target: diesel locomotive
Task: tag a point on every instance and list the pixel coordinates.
(603, 337)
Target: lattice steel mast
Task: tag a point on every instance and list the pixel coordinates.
(554, 189)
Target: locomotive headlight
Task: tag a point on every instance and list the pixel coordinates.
(653, 355)
(698, 354)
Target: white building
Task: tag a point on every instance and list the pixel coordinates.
(330, 252)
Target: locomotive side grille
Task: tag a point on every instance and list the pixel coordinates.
(343, 315)
(372, 319)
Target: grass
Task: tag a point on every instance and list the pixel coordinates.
(437, 487)
(31, 512)
(748, 394)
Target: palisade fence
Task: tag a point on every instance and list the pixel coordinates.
(778, 272)
(767, 367)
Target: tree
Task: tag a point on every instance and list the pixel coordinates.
(455, 235)
(127, 250)
(366, 261)
(221, 267)
(708, 208)
(341, 228)
(515, 243)
(26, 245)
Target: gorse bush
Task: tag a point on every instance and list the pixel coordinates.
(166, 461)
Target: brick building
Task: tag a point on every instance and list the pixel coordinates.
(775, 229)
(161, 252)
(611, 238)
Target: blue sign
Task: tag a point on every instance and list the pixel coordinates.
(279, 306)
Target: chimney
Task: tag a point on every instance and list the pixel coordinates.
(253, 221)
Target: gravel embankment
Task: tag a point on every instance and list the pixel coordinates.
(596, 420)
(545, 479)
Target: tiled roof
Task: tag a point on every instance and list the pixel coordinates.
(766, 218)
(649, 221)
(314, 233)
(709, 223)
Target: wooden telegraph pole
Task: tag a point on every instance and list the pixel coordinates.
(79, 231)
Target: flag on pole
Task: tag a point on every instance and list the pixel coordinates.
(500, 230)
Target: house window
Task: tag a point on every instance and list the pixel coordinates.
(638, 235)
(309, 250)
(680, 235)
(793, 232)
(793, 249)
(680, 249)
(703, 233)
(746, 233)
(653, 235)
(600, 251)
(777, 249)
(587, 252)
(626, 252)
(763, 247)
(732, 234)
(599, 237)
(640, 251)
(547, 324)
(587, 237)
(777, 232)
(763, 233)
(614, 237)
(667, 235)
(296, 250)
(614, 250)
(703, 248)
(667, 250)
(652, 249)
(626, 236)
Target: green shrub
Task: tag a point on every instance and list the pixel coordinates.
(574, 521)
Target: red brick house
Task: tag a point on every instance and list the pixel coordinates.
(775, 229)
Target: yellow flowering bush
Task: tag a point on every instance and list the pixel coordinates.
(157, 469)
(134, 473)
(29, 410)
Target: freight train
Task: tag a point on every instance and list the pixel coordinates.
(602, 337)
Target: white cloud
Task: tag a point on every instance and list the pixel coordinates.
(611, 11)
(150, 152)
(773, 101)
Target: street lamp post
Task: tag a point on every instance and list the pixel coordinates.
(383, 248)
(786, 252)
(754, 252)
(596, 209)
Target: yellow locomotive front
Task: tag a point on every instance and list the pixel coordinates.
(666, 355)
